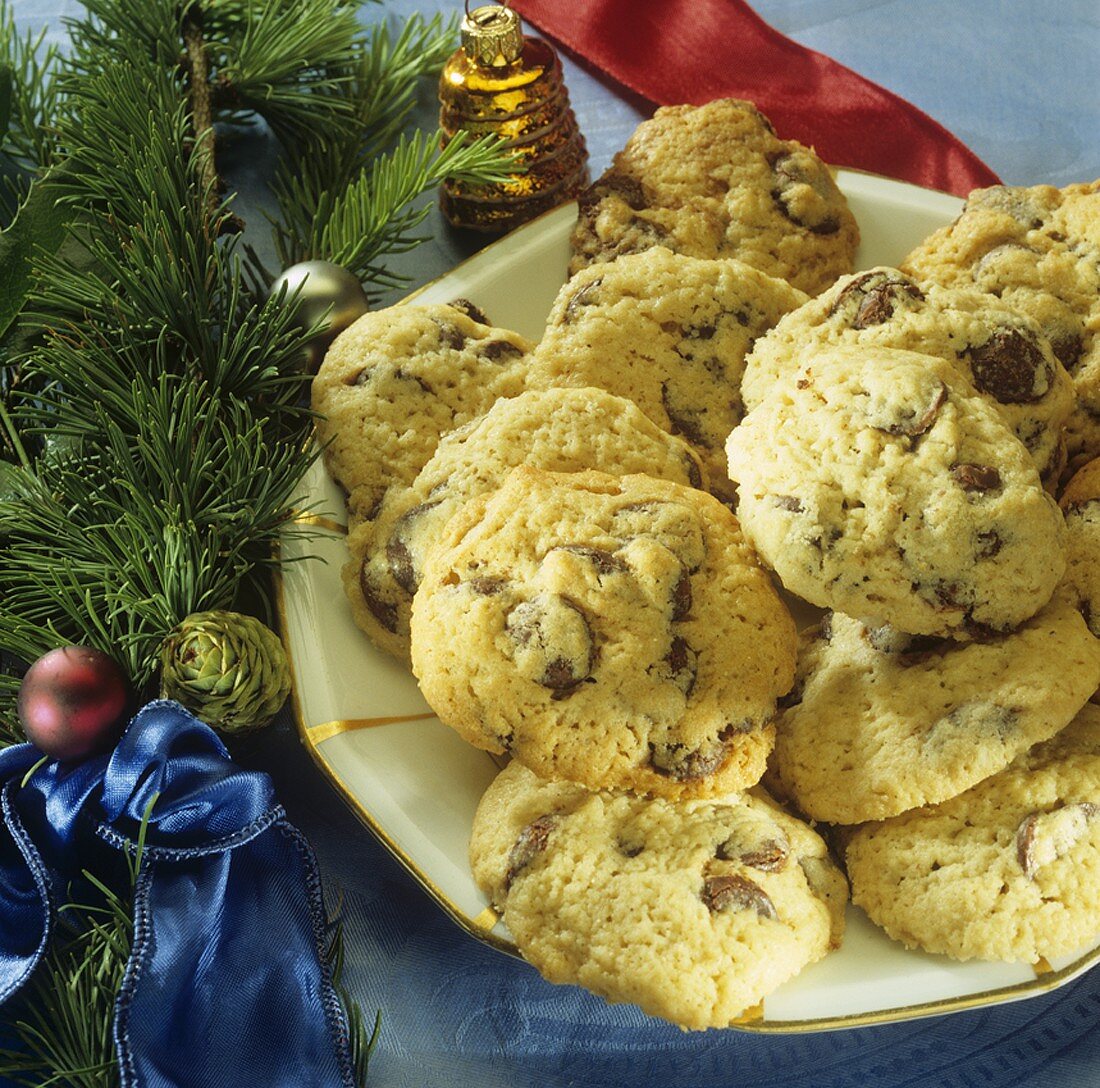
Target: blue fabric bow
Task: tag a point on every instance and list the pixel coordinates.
(226, 984)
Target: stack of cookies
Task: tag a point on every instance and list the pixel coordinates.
(546, 534)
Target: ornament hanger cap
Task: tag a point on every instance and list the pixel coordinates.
(492, 34)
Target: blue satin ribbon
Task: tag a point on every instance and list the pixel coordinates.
(226, 982)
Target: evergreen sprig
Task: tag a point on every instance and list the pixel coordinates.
(287, 62)
(375, 216)
(151, 396)
(168, 394)
(29, 142)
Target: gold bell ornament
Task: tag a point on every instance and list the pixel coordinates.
(501, 81)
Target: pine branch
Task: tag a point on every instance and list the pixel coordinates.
(122, 28)
(28, 144)
(287, 61)
(375, 216)
(169, 393)
(176, 515)
(202, 113)
(363, 1041)
(383, 90)
(11, 732)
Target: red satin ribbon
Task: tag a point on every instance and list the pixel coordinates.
(672, 51)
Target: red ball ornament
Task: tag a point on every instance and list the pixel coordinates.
(73, 701)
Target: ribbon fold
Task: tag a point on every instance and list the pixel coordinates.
(693, 51)
(226, 981)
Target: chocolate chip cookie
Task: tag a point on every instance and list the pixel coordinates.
(561, 430)
(670, 333)
(879, 484)
(1006, 871)
(396, 381)
(880, 722)
(692, 910)
(1003, 353)
(715, 181)
(615, 632)
(1038, 250)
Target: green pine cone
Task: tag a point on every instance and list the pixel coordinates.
(228, 668)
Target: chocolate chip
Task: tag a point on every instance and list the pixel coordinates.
(1067, 347)
(1010, 367)
(683, 764)
(584, 296)
(905, 648)
(915, 420)
(451, 336)
(788, 502)
(603, 561)
(531, 842)
(487, 585)
(1008, 200)
(628, 189)
(989, 544)
(559, 675)
(402, 569)
(874, 297)
(1043, 837)
(769, 856)
(381, 609)
(986, 267)
(948, 594)
(399, 557)
(683, 421)
(681, 597)
(794, 170)
(737, 729)
(475, 313)
(498, 351)
(553, 641)
(976, 477)
(1086, 508)
(733, 893)
(981, 632)
(682, 662)
(404, 376)
(694, 475)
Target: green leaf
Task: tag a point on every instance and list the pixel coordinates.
(39, 224)
(6, 76)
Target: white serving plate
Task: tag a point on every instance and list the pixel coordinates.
(416, 784)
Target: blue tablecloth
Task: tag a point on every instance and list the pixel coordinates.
(1015, 79)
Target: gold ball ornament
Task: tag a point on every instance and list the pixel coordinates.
(326, 297)
(504, 83)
